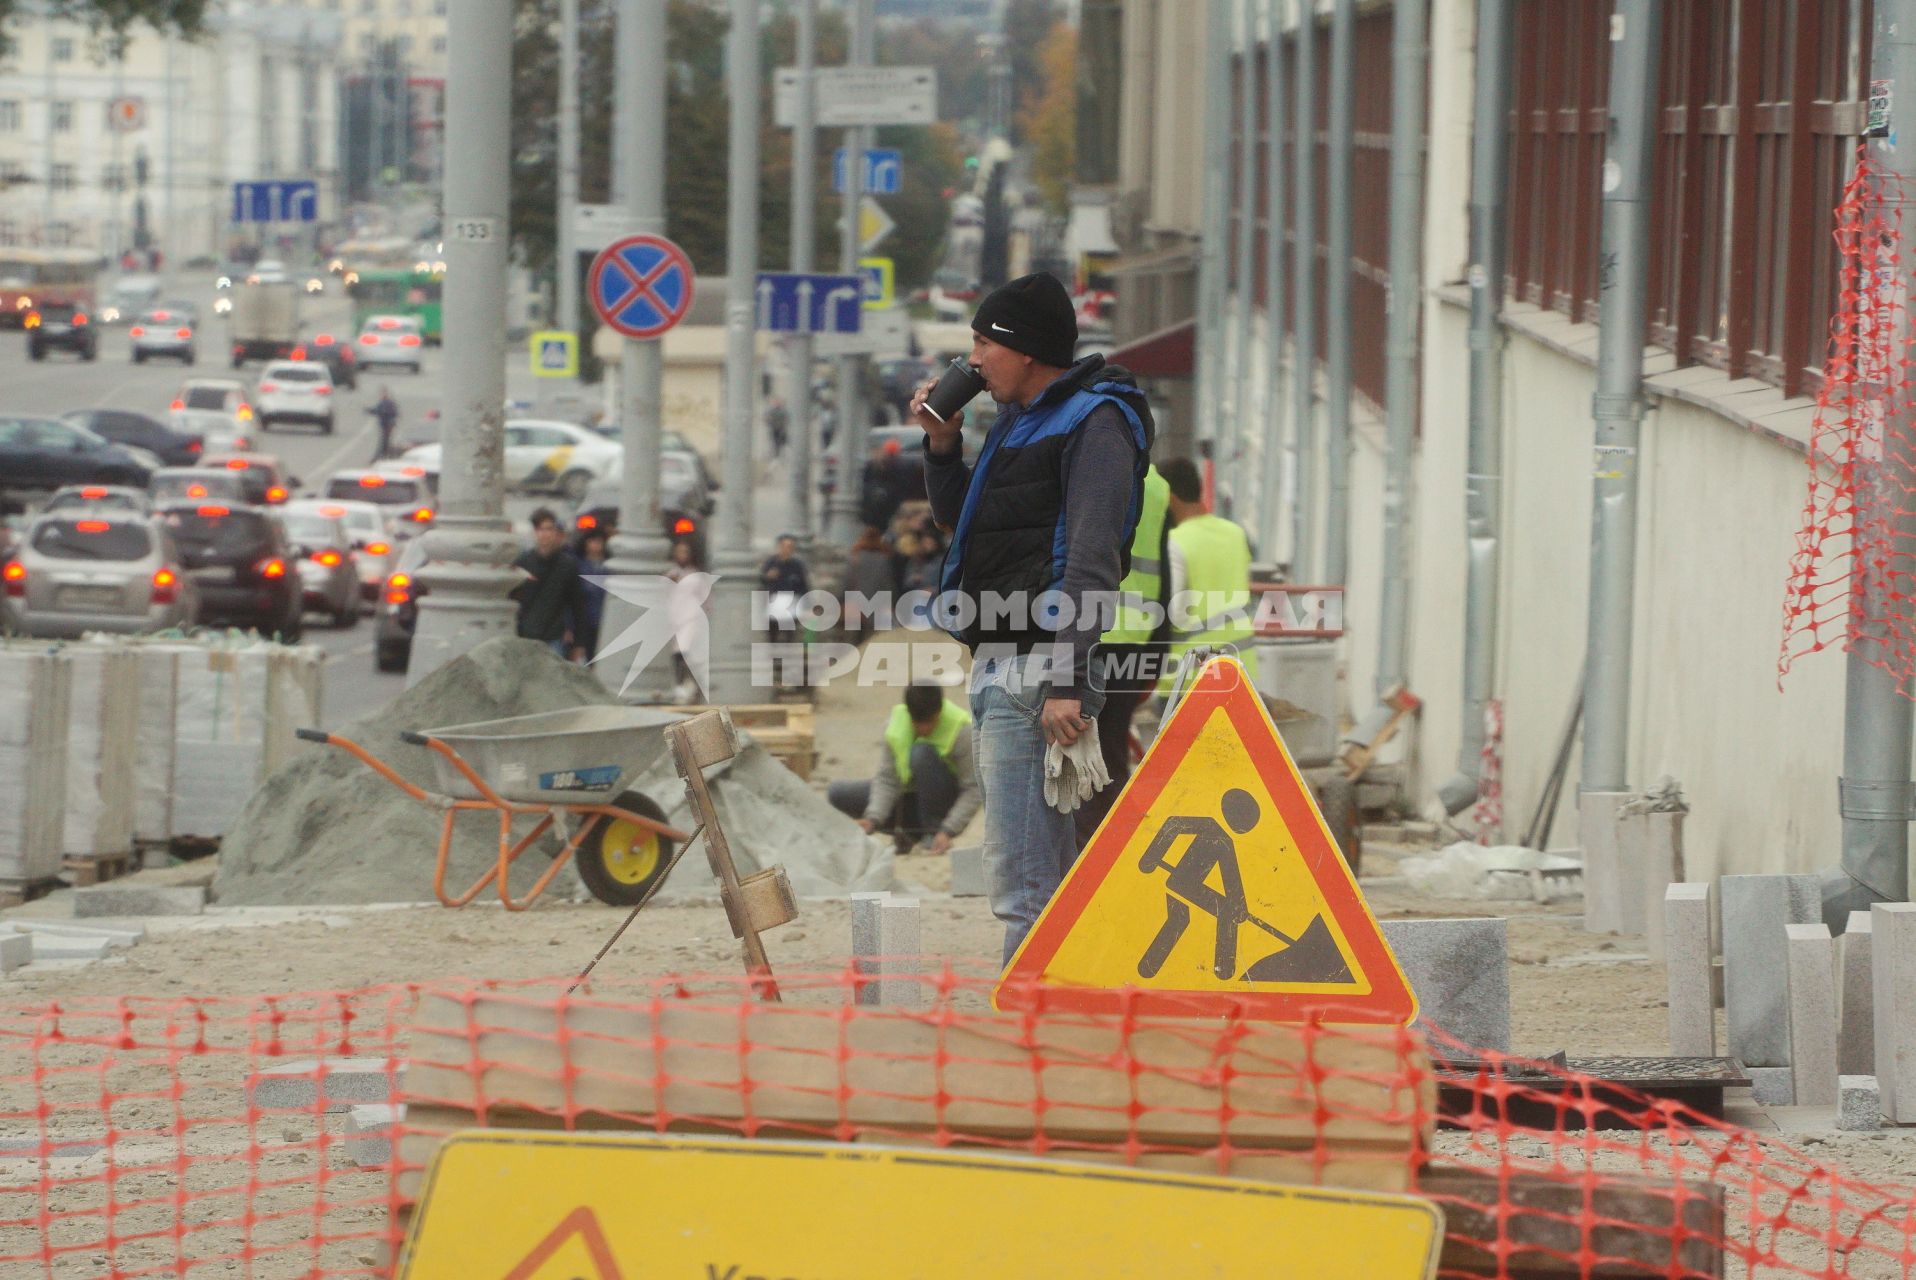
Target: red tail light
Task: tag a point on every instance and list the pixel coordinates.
(398, 589)
(588, 522)
(389, 324)
(79, 319)
(322, 389)
(162, 316)
(372, 482)
(237, 464)
(194, 446)
(409, 340)
(93, 492)
(92, 526)
(214, 513)
(299, 353)
(199, 491)
(267, 388)
(177, 405)
(276, 494)
(328, 558)
(182, 333)
(272, 568)
(378, 549)
(16, 578)
(166, 586)
(367, 340)
(323, 340)
(422, 515)
(137, 331)
(684, 525)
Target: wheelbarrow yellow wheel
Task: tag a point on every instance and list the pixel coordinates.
(619, 860)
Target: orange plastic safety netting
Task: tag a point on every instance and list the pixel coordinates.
(212, 1137)
(1853, 576)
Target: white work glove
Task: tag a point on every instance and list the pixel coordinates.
(1073, 774)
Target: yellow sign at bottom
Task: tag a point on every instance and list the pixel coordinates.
(537, 1206)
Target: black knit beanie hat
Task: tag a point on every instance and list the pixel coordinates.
(1032, 314)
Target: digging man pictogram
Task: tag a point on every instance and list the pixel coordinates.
(1312, 956)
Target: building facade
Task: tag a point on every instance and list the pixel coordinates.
(115, 146)
(1762, 103)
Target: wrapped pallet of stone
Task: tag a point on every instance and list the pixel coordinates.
(35, 684)
(239, 701)
(154, 737)
(103, 715)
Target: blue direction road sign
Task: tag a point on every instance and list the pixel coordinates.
(884, 171)
(275, 202)
(641, 285)
(789, 303)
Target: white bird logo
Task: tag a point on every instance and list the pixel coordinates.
(669, 613)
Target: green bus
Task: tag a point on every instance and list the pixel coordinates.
(399, 293)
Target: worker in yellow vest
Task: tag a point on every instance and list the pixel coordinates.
(1132, 650)
(1208, 563)
(925, 788)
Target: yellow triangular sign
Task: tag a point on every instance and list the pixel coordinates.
(1213, 886)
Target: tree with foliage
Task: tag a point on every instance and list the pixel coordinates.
(1027, 25)
(1050, 121)
(117, 17)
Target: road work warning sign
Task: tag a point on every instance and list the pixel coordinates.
(1213, 886)
(559, 1206)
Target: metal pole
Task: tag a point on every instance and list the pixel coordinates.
(170, 242)
(1618, 403)
(1211, 336)
(798, 347)
(470, 548)
(1241, 283)
(1409, 48)
(566, 268)
(1483, 473)
(116, 198)
(731, 630)
(1271, 503)
(1304, 296)
(1339, 210)
(854, 422)
(639, 548)
(1875, 791)
(46, 164)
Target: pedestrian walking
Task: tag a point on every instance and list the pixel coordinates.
(552, 605)
(385, 413)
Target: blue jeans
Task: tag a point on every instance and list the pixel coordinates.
(1028, 844)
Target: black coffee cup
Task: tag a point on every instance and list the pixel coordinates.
(957, 387)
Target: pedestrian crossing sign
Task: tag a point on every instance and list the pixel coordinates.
(555, 354)
(1212, 887)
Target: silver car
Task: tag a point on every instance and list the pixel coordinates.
(328, 580)
(390, 340)
(101, 497)
(373, 539)
(197, 484)
(75, 572)
(216, 410)
(162, 332)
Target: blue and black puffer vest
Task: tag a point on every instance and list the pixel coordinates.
(1010, 536)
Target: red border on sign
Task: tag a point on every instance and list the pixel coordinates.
(673, 256)
(1221, 685)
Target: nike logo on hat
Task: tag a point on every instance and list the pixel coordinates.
(1000, 328)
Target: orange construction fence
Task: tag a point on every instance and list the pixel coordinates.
(202, 1137)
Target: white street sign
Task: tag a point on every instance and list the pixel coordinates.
(594, 226)
(885, 333)
(861, 95)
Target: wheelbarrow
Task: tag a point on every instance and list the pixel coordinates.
(574, 765)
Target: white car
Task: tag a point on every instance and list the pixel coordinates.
(390, 340)
(552, 457)
(295, 391)
(215, 409)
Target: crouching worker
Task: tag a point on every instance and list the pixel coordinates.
(925, 788)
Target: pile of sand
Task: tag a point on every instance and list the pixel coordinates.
(326, 829)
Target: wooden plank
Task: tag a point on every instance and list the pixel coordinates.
(985, 1073)
(1537, 1221)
